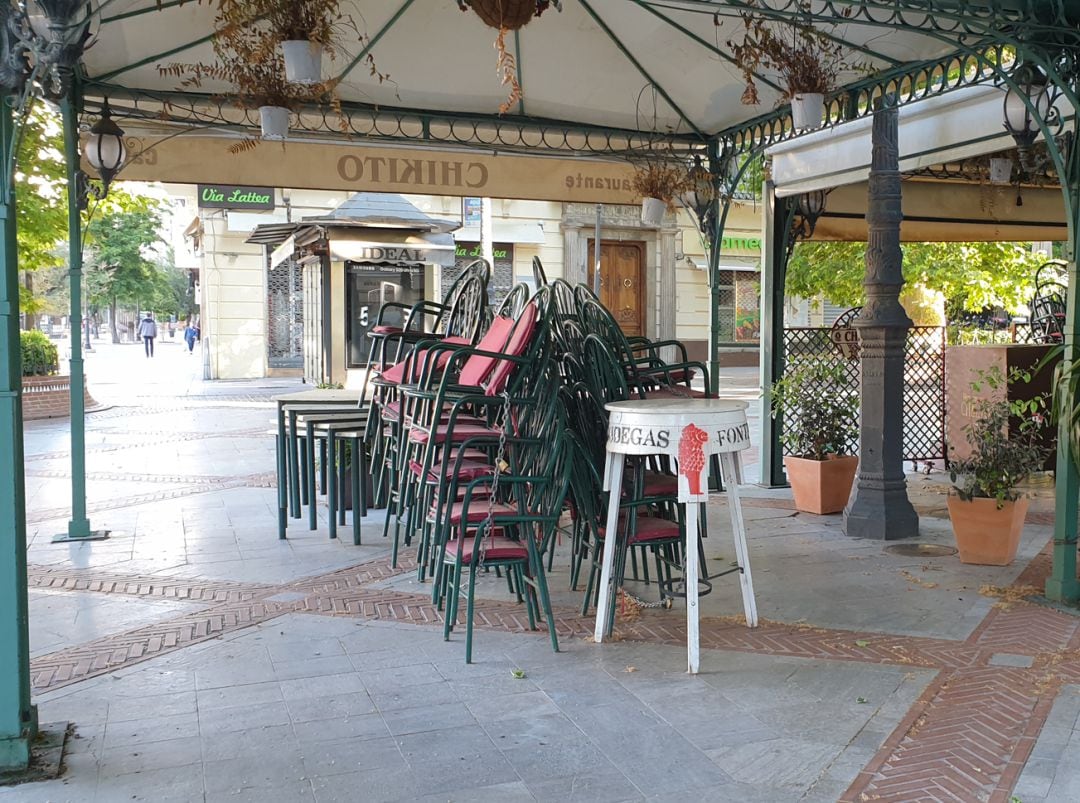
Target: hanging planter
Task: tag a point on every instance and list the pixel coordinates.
(303, 61)
(658, 181)
(807, 110)
(507, 15)
(652, 211)
(274, 121)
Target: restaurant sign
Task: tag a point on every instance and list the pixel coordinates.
(228, 196)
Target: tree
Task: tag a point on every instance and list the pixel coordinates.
(123, 247)
(971, 276)
(40, 208)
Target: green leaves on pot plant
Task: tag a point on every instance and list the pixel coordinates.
(1005, 440)
(819, 407)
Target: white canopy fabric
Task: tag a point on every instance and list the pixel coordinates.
(660, 66)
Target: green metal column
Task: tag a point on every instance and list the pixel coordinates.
(1062, 585)
(18, 718)
(775, 233)
(79, 525)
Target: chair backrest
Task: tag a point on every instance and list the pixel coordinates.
(598, 321)
(539, 276)
(478, 367)
(515, 301)
(605, 376)
(523, 331)
(465, 315)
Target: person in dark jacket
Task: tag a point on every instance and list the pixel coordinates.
(190, 333)
(148, 331)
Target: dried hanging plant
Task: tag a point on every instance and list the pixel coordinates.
(806, 58)
(660, 177)
(506, 16)
(246, 42)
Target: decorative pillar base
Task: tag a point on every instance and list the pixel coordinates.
(90, 535)
(881, 514)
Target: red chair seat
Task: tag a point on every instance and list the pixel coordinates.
(675, 392)
(386, 330)
(660, 484)
(675, 375)
(478, 513)
(461, 432)
(649, 528)
(395, 374)
(498, 547)
(466, 470)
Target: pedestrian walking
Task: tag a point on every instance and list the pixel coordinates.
(190, 333)
(148, 331)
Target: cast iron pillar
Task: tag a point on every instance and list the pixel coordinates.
(880, 507)
(18, 717)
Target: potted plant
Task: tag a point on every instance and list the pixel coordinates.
(806, 60)
(659, 182)
(986, 509)
(247, 43)
(820, 412)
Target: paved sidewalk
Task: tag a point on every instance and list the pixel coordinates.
(202, 659)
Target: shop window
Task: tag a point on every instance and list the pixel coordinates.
(370, 286)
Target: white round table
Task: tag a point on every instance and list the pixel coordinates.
(689, 431)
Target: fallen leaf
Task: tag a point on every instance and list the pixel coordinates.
(630, 669)
(862, 643)
(517, 673)
(860, 699)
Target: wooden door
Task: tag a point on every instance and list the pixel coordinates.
(622, 271)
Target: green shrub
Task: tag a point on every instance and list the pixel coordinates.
(39, 355)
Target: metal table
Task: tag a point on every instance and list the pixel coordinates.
(288, 471)
(689, 431)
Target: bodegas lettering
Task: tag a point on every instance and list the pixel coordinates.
(640, 436)
(419, 172)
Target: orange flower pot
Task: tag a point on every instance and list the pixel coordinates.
(821, 486)
(986, 535)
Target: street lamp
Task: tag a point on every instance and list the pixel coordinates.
(701, 195)
(1030, 93)
(105, 148)
(809, 207)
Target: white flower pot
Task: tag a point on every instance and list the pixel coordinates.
(652, 211)
(807, 110)
(274, 121)
(303, 61)
(1000, 170)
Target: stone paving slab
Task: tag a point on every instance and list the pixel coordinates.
(873, 677)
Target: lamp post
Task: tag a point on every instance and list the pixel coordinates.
(105, 151)
(38, 59)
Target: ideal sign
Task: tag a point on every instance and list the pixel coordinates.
(226, 196)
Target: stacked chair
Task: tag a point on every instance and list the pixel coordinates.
(486, 431)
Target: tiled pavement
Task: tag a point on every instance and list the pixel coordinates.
(201, 659)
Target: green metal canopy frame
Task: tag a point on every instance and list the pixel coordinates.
(917, 49)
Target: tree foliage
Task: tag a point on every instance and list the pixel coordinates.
(41, 197)
(971, 276)
(123, 250)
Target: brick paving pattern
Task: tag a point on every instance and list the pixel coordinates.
(967, 738)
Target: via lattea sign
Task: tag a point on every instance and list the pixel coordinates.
(231, 196)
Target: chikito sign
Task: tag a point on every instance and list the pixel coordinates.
(227, 196)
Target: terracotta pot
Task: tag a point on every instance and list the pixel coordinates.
(986, 535)
(821, 486)
(807, 110)
(508, 14)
